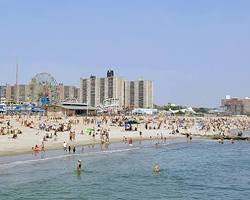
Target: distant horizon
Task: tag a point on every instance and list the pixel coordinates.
(195, 52)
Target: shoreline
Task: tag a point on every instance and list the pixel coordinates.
(29, 134)
(58, 146)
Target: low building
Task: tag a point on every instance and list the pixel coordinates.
(3, 91)
(236, 106)
(70, 109)
(246, 106)
(144, 111)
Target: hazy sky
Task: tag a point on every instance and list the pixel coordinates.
(195, 51)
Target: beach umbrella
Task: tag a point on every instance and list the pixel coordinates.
(88, 130)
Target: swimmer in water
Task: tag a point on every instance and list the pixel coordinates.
(79, 165)
(156, 168)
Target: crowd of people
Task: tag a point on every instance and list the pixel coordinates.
(7, 129)
(98, 128)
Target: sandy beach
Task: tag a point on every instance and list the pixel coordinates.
(32, 136)
(149, 128)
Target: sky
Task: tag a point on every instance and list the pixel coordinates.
(196, 52)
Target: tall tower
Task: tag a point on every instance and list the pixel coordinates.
(17, 86)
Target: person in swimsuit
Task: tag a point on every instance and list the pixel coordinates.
(79, 165)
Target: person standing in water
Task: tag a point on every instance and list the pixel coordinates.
(43, 149)
(79, 165)
(65, 146)
(130, 142)
(190, 137)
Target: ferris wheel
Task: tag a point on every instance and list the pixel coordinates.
(44, 87)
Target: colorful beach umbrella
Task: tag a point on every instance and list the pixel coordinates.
(88, 130)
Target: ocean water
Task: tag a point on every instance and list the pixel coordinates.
(246, 133)
(201, 169)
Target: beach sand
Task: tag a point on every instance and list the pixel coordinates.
(30, 137)
(33, 136)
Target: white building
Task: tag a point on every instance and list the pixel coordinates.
(94, 91)
(139, 94)
(131, 94)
